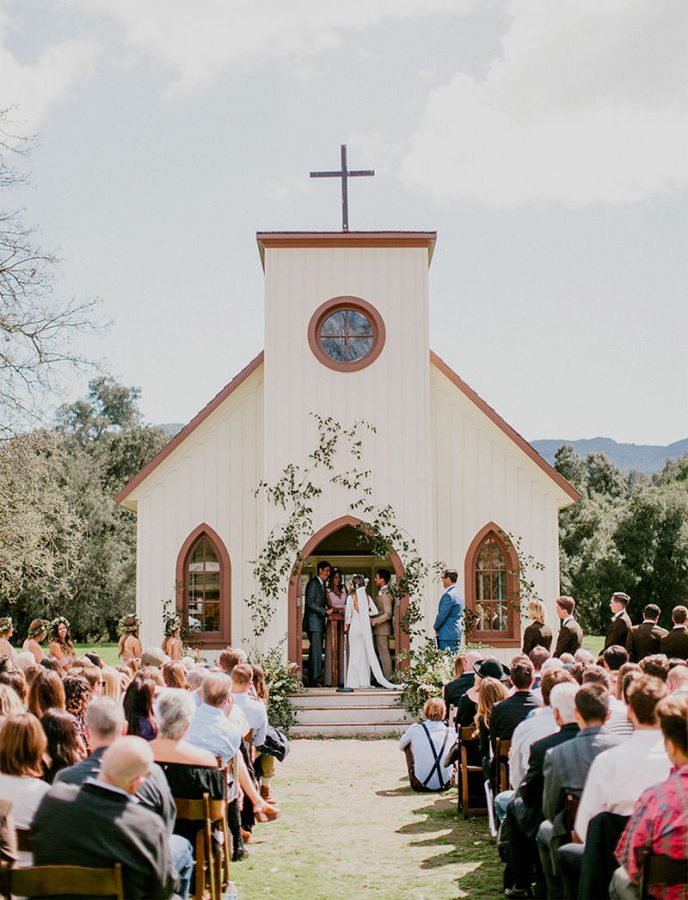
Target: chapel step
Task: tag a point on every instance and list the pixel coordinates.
(320, 697)
(324, 712)
(345, 730)
(357, 715)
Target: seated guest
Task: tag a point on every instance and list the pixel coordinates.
(623, 671)
(9, 702)
(538, 633)
(265, 764)
(22, 748)
(77, 694)
(425, 745)
(538, 656)
(16, 679)
(514, 709)
(584, 656)
(154, 657)
(99, 825)
(677, 680)
(570, 636)
(490, 693)
(659, 822)
(46, 692)
(566, 768)
(65, 747)
(656, 665)
(524, 814)
(254, 710)
(612, 659)
(617, 775)
(231, 657)
(618, 721)
(173, 675)
(138, 707)
(112, 683)
(464, 677)
(675, 642)
(644, 639)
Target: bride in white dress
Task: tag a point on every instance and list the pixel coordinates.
(362, 656)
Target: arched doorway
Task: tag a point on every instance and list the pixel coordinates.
(342, 544)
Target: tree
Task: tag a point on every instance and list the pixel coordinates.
(36, 329)
(569, 464)
(107, 406)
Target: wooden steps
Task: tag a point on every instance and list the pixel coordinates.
(367, 712)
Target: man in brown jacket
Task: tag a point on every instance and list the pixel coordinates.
(570, 634)
(644, 639)
(382, 622)
(675, 643)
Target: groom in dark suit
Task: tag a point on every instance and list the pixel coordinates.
(314, 622)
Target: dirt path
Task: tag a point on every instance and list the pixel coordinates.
(352, 828)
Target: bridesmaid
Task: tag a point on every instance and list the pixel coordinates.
(538, 633)
(335, 596)
(129, 643)
(38, 632)
(6, 632)
(61, 646)
(172, 644)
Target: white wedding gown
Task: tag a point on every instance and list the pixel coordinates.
(362, 656)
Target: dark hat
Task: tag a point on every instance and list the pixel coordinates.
(491, 668)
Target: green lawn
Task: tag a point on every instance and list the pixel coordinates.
(594, 642)
(107, 652)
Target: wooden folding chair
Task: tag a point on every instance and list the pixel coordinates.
(465, 770)
(659, 869)
(208, 812)
(502, 748)
(62, 881)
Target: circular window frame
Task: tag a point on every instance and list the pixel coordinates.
(335, 304)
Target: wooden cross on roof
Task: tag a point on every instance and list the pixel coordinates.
(344, 173)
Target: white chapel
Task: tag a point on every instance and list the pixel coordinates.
(346, 335)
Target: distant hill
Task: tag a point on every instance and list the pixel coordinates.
(646, 457)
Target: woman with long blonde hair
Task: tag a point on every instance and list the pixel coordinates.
(491, 691)
(538, 633)
(38, 632)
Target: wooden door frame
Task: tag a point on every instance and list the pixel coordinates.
(295, 613)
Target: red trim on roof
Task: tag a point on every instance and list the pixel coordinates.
(228, 389)
(504, 426)
(279, 239)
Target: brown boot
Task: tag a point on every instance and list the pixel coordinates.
(267, 813)
(246, 836)
(267, 794)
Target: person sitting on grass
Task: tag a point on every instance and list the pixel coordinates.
(425, 745)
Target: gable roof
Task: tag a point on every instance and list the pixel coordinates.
(435, 360)
(513, 435)
(182, 435)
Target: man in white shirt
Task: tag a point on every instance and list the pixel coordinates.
(425, 745)
(254, 710)
(618, 776)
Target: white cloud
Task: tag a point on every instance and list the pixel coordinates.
(585, 104)
(31, 88)
(201, 39)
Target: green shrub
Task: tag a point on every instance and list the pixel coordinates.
(281, 682)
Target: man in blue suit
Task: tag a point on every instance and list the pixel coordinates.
(448, 622)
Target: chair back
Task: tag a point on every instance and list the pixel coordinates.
(658, 869)
(570, 809)
(63, 881)
(470, 775)
(23, 843)
(502, 750)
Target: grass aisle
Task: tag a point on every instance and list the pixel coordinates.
(351, 827)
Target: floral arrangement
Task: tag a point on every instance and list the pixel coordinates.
(60, 620)
(40, 628)
(428, 671)
(129, 627)
(282, 682)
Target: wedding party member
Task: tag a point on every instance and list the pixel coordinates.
(6, 632)
(570, 636)
(38, 632)
(645, 639)
(362, 656)
(61, 646)
(675, 643)
(538, 633)
(447, 625)
(100, 824)
(129, 646)
(425, 745)
(659, 824)
(621, 624)
(314, 622)
(336, 600)
(382, 622)
(172, 643)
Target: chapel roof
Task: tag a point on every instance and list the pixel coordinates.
(291, 239)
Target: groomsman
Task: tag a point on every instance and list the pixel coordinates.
(448, 620)
(382, 622)
(644, 639)
(620, 624)
(675, 643)
(314, 622)
(570, 636)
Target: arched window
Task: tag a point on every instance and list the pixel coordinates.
(492, 589)
(204, 587)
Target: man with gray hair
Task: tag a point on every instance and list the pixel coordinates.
(524, 814)
(99, 824)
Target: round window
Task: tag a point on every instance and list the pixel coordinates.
(346, 333)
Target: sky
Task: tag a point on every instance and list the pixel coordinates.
(545, 142)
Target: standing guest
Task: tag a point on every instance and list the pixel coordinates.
(448, 620)
(65, 747)
(659, 824)
(22, 748)
(675, 642)
(645, 639)
(77, 694)
(45, 692)
(464, 678)
(621, 624)
(617, 775)
(314, 619)
(61, 646)
(174, 676)
(38, 632)
(6, 632)
(538, 633)
(138, 708)
(570, 636)
(172, 644)
(100, 825)
(129, 646)
(425, 745)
